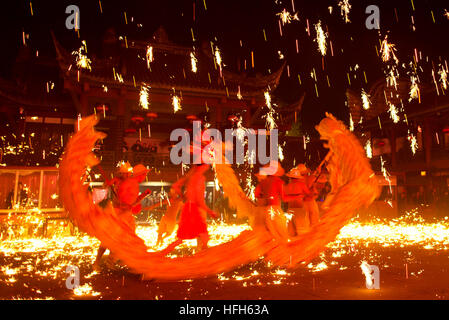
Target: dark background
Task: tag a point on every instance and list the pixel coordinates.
(226, 23)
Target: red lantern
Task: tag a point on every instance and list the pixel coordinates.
(101, 108)
(130, 131)
(137, 119)
(151, 115)
(192, 117)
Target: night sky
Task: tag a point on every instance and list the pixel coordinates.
(227, 23)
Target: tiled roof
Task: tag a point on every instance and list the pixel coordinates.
(171, 68)
(378, 94)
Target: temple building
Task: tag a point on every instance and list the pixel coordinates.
(412, 140)
(142, 90)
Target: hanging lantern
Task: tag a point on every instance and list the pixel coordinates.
(192, 117)
(137, 119)
(151, 115)
(101, 108)
(130, 131)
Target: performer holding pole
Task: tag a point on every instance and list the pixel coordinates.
(192, 223)
(127, 200)
(303, 191)
(269, 193)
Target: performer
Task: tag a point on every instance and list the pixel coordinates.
(297, 189)
(269, 193)
(192, 223)
(303, 191)
(127, 200)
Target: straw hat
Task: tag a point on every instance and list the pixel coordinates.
(265, 171)
(140, 169)
(125, 167)
(298, 171)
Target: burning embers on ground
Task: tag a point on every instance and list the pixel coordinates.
(33, 267)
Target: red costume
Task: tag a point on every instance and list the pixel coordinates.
(270, 191)
(192, 222)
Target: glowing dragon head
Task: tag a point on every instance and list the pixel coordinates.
(329, 126)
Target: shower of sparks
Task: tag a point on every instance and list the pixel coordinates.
(385, 173)
(85, 290)
(351, 123)
(446, 13)
(149, 56)
(82, 61)
(387, 51)
(240, 131)
(443, 77)
(317, 268)
(345, 7)
(392, 77)
(193, 61)
(287, 17)
(218, 58)
(176, 101)
(394, 113)
(280, 153)
(250, 188)
(267, 99)
(413, 142)
(30, 256)
(369, 151)
(321, 38)
(365, 100)
(269, 117)
(143, 97)
(414, 89)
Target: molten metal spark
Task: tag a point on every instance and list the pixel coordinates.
(345, 8)
(250, 188)
(193, 61)
(321, 38)
(149, 56)
(414, 89)
(385, 173)
(365, 100)
(218, 59)
(392, 77)
(287, 17)
(176, 101)
(443, 77)
(387, 51)
(270, 122)
(394, 113)
(143, 96)
(413, 142)
(369, 151)
(267, 99)
(82, 61)
(280, 153)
